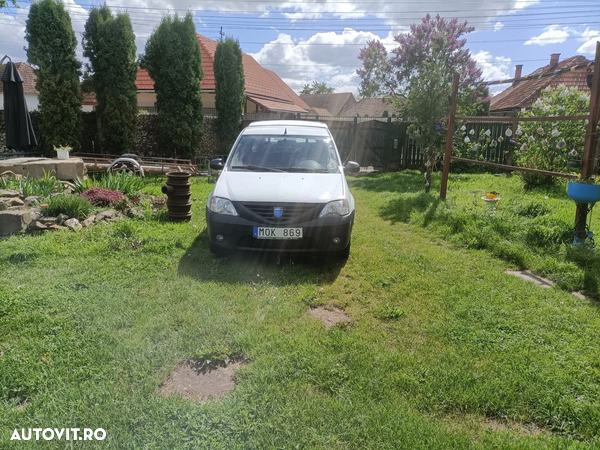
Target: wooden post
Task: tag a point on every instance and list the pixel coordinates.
(449, 136)
(589, 147)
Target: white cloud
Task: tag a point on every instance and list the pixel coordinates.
(494, 68)
(328, 57)
(553, 34)
(498, 26)
(589, 37)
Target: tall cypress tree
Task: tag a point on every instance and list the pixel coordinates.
(174, 63)
(229, 91)
(109, 44)
(52, 46)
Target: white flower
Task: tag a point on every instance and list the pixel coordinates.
(573, 152)
(500, 138)
(562, 94)
(475, 148)
(547, 89)
(467, 140)
(472, 132)
(523, 110)
(561, 144)
(524, 147)
(555, 133)
(546, 142)
(584, 98)
(488, 132)
(519, 132)
(531, 139)
(540, 131)
(463, 128)
(538, 103)
(508, 132)
(587, 121)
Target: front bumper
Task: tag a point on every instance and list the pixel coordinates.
(318, 234)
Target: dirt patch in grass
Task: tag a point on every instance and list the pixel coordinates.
(528, 276)
(330, 317)
(201, 385)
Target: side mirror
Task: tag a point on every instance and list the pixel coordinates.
(216, 164)
(352, 167)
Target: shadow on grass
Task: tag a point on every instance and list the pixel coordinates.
(405, 181)
(588, 259)
(241, 267)
(400, 210)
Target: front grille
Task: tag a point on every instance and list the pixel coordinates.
(292, 212)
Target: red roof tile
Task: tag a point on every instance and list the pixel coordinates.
(28, 75)
(89, 98)
(526, 92)
(259, 81)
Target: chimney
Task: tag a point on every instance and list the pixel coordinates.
(518, 70)
(554, 59)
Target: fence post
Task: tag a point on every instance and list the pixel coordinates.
(449, 136)
(354, 134)
(589, 147)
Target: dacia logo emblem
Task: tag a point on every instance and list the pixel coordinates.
(278, 211)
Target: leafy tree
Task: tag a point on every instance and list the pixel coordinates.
(109, 44)
(418, 77)
(174, 63)
(317, 88)
(52, 46)
(229, 91)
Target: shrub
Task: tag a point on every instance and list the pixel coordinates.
(71, 205)
(550, 145)
(102, 197)
(532, 209)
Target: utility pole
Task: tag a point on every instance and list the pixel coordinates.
(222, 34)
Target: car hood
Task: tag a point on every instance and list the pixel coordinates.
(281, 187)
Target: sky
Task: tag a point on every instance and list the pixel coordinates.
(304, 41)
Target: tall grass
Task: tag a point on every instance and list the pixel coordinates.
(28, 186)
(71, 205)
(126, 183)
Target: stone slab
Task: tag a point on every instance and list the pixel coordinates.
(13, 222)
(529, 276)
(67, 169)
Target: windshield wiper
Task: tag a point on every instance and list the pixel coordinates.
(304, 169)
(257, 168)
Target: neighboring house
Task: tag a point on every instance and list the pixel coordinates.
(369, 107)
(329, 104)
(29, 79)
(522, 94)
(89, 101)
(265, 91)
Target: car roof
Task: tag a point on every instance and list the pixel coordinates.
(288, 123)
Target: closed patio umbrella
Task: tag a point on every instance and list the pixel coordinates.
(17, 122)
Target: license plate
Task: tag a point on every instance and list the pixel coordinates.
(277, 233)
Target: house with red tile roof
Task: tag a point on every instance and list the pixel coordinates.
(29, 79)
(524, 93)
(265, 91)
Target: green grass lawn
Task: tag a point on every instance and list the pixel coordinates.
(444, 349)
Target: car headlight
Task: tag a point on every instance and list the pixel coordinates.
(221, 205)
(336, 208)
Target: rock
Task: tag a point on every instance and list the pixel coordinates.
(37, 226)
(110, 214)
(9, 193)
(68, 191)
(3, 206)
(35, 214)
(13, 222)
(73, 224)
(16, 201)
(135, 213)
(62, 218)
(32, 200)
(49, 221)
(16, 208)
(88, 221)
(9, 175)
(57, 227)
(63, 169)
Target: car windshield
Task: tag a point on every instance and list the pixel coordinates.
(261, 153)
